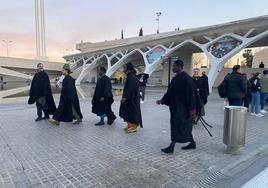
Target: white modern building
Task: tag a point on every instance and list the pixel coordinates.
(218, 42)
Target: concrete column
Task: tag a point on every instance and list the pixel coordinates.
(188, 64)
(188, 67)
(40, 30)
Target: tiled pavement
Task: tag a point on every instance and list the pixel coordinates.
(41, 155)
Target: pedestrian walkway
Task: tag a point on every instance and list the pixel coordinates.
(259, 181)
(41, 155)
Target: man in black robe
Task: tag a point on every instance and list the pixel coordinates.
(103, 99)
(130, 103)
(181, 99)
(41, 94)
(69, 107)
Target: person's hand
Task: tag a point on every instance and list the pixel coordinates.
(101, 99)
(193, 115)
(123, 100)
(159, 102)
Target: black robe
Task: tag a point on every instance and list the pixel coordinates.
(68, 99)
(130, 109)
(40, 87)
(203, 88)
(181, 99)
(103, 89)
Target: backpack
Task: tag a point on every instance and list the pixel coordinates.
(222, 89)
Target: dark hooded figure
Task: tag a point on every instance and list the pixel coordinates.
(41, 94)
(103, 99)
(181, 99)
(130, 102)
(201, 83)
(69, 107)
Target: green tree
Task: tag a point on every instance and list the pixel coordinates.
(249, 57)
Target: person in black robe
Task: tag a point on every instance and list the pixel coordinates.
(41, 94)
(181, 99)
(201, 83)
(143, 79)
(69, 107)
(130, 103)
(103, 99)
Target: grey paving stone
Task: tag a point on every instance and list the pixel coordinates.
(88, 156)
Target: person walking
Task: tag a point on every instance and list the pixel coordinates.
(181, 98)
(264, 90)
(41, 94)
(236, 87)
(246, 99)
(255, 93)
(130, 103)
(69, 107)
(103, 99)
(143, 78)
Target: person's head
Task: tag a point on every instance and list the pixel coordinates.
(236, 68)
(66, 69)
(257, 74)
(177, 66)
(245, 76)
(102, 71)
(196, 72)
(130, 69)
(40, 67)
(265, 72)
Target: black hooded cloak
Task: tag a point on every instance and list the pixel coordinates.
(40, 87)
(103, 89)
(130, 109)
(68, 99)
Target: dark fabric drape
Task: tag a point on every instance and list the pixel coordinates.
(130, 109)
(40, 87)
(181, 99)
(68, 101)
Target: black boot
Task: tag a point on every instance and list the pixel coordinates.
(169, 149)
(38, 119)
(111, 120)
(192, 145)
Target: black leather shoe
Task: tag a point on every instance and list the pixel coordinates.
(192, 145)
(99, 124)
(168, 150)
(111, 121)
(38, 119)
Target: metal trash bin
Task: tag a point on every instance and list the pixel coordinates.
(235, 121)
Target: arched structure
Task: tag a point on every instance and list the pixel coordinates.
(219, 43)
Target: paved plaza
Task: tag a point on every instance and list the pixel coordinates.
(41, 155)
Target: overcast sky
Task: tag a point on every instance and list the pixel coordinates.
(70, 21)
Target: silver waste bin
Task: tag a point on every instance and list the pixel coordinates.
(235, 121)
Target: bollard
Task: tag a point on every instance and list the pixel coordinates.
(234, 134)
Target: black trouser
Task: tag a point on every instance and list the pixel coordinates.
(40, 109)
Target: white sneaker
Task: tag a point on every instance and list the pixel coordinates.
(142, 102)
(259, 115)
(253, 114)
(263, 111)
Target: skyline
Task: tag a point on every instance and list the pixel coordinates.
(68, 22)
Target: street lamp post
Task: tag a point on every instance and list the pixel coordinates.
(7, 43)
(158, 14)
